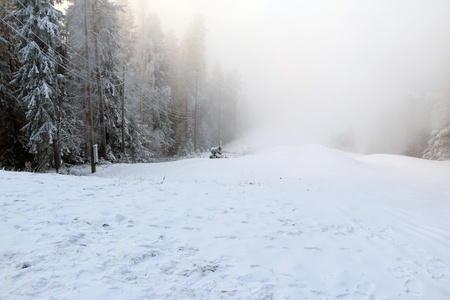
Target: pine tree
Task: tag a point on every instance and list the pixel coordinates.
(126, 27)
(39, 83)
(72, 111)
(13, 153)
(160, 89)
(179, 114)
(154, 89)
(75, 124)
(136, 134)
(105, 43)
(106, 30)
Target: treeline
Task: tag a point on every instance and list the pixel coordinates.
(96, 75)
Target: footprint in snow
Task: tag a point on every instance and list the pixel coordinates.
(413, 287)
(433, 266)
(364, 291)
(401, 272)
(384, 234)
(313, 248)
(340, 229)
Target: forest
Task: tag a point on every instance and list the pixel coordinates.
(94, 75)
(99, 73)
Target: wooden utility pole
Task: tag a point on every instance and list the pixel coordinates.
(91, 121)
(195, 113)
(220, 86)
(143, 65)
(187, 121)
(123, 112)
(235, 118)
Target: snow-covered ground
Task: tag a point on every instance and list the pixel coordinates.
(285, 223)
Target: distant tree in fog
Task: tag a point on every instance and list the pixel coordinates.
(178, 114)
(155, 92)
(193, 80)
(230, 109)
(134, 133)
(439, 144)
(214, 117)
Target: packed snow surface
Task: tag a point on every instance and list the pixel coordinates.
(285, 223)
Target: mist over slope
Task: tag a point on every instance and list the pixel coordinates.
(359, 76)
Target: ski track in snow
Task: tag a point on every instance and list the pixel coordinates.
(264, 227)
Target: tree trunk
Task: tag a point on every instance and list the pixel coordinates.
(88, 68)
(57, 154)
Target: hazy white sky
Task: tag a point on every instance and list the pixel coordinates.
(312, 68)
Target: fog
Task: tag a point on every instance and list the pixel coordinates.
(338, 73)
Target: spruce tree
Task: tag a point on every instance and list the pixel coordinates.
(13, 153)
(106, 33)
(135, 135)
(104, 45)
(177, 115)
(157, 69)
(39, 84)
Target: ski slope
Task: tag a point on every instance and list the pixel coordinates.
(306, 222)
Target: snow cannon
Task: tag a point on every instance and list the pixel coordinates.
(216, 152)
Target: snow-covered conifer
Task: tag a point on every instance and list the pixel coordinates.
(177, 106)
(104, 45)
(39, 36)
(13, 153)
(155, 92)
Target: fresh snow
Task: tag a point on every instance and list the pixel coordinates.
(285, 223)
